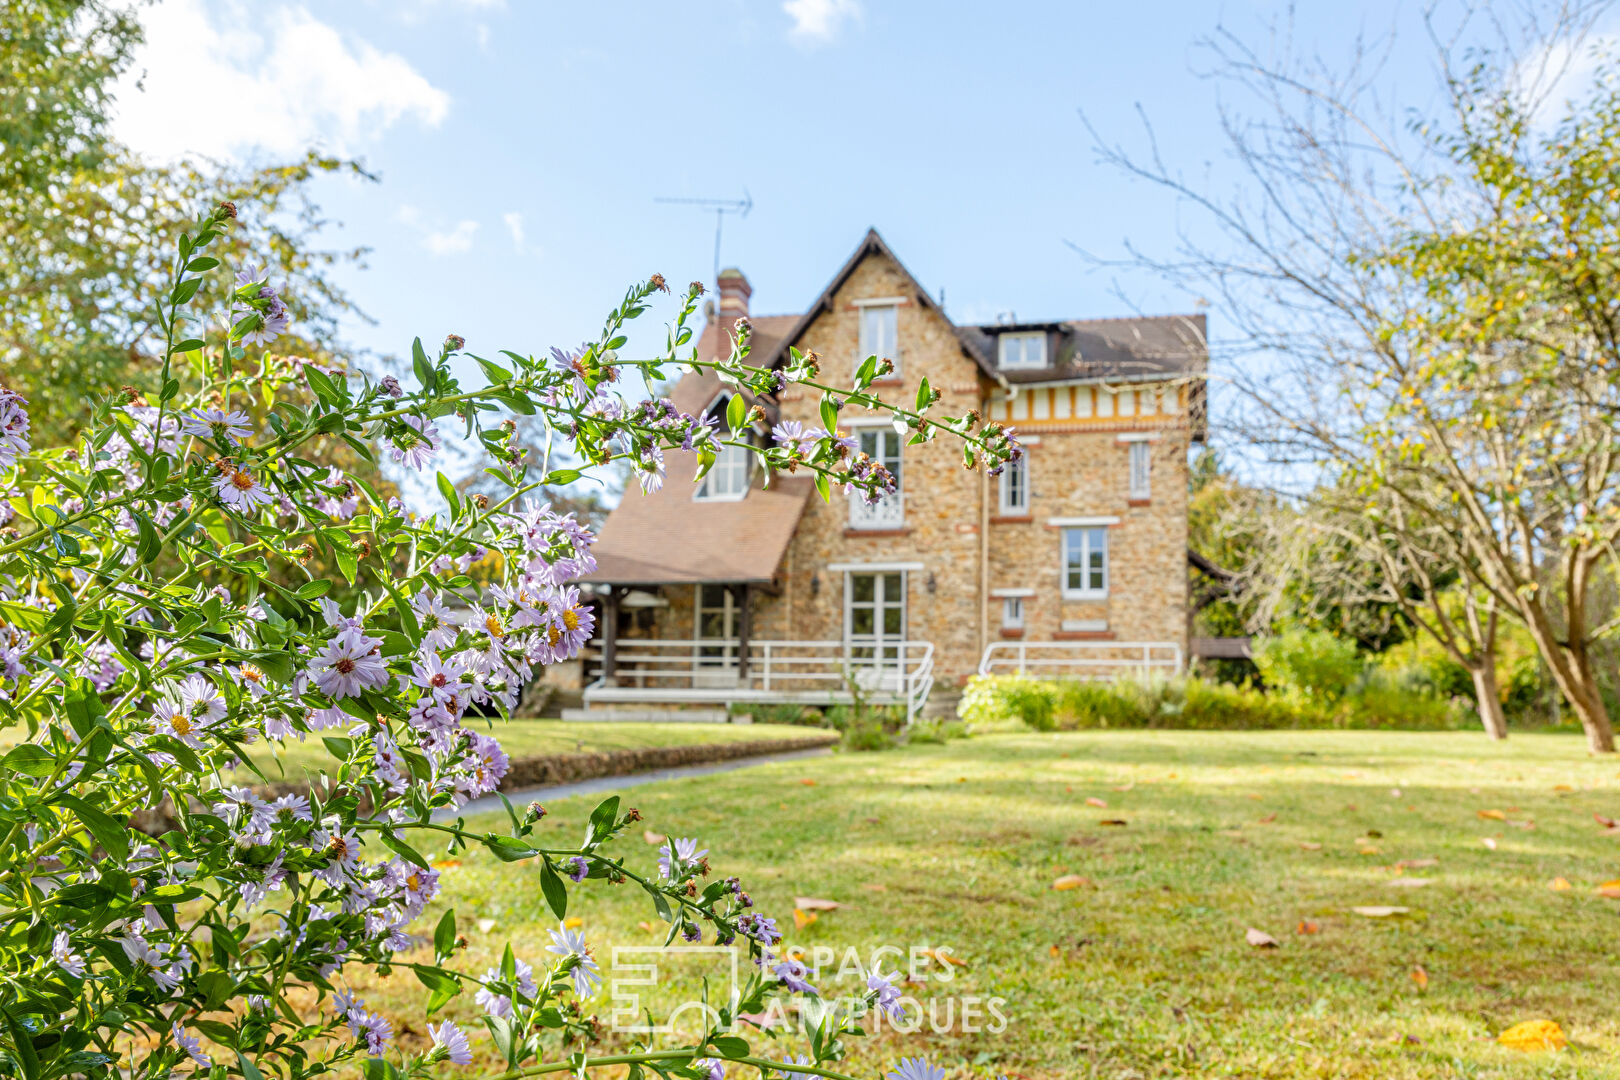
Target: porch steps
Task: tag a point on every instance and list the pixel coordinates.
(648, 716)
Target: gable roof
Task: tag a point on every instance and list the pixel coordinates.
(871, 244)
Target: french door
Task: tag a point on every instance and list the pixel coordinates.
(875, 626)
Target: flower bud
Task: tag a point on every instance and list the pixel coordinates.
(696, 288)
(390, 386)
(657, 282)
(226, 210)
(536, 811)
(454, 342)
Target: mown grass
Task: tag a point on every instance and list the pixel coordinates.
(538, 738)
(1148, 974)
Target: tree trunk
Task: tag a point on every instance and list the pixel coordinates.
(1572, 672)
(1490, 704)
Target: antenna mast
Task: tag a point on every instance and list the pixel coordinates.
(721, 208)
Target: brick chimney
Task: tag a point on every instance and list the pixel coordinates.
(734, 293)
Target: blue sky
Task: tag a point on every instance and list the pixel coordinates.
(522, 145)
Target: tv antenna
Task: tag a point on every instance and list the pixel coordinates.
(721, 208)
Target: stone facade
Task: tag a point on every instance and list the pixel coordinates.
(958, 552)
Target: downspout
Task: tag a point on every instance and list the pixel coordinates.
(984, 526)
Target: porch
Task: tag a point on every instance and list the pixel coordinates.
(723, 672)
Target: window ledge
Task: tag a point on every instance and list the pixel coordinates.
(1083, 635)
(904, 530)
(1012, 519)
(1138, 502)
(1085, 597)
(1012, 632)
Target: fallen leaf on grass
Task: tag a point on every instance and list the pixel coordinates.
(1559, 884)
(1410, 882)
(1606, 822)
(1252, 795)
(1496, 815)
(1259, 939)
(1534, 1035)
(1309, 845)
(1380, 911)
(1489, 841)
(485, 925)
(1073, 881)
(652, 837)
(1306, 926)
(808, 782)
(1369, 850)
(1420, 977)
(802, 918)
(1092, 800)
(875, 887)
(1562, 787)
(812, 903)
(1126, 787)
(1268, 819)
(1610, 889)
(649, 927)
(944, 956)
(1112, 821)
(1416, 864)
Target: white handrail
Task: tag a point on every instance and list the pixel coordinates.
(1094, 659)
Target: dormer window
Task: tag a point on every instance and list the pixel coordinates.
(727, 479)
(1023, 351)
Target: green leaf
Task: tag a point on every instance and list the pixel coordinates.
(24, 1044)
(730, 1046)
(197, 266)
(184, 291)
(924, 395)
(250, 1071)
(23, 616)
(217, 987)
(448, 490)
(402, 849)
(325, 389)
(348, 563)
(149, 545)
(424, 370)
(493, 372)
(111, 835)
(30, 760)
(829, 415)
(188, 345)
(824, 487)
(736, 413)
(338, 746)
(555, 891)
(314, 590)
(507, 849)
(444, 935)
(602, 820)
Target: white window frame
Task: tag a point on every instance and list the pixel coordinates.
(888, 659)
(1140, 457)
(890, 511)
(1013, 489)
(1012, 613)
(733, 466)
(1015, 351)
(1086, 536)
(883, 350)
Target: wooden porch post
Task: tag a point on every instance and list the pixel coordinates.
(741, 592)
(610, 635)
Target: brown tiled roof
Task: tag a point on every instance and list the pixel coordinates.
(1148, 347)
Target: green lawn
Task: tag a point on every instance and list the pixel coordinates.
(1148, 973)
(536, 738)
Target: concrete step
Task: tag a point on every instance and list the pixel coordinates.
(648, 716)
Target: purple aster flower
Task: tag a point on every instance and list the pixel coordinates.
(241, 490)
(915, 1069)
(217, 424)
(578, 868)
(415, 446)
(759, 927)
(350, 663)
(13, 427)
(453, 1041)
(791, 434)
(794, 975)
(677, 857)
(390, 386)
(63, 956)
(191, 1046)
(712, 1068)
(498, 1004)
(888, 996)
(586, 975)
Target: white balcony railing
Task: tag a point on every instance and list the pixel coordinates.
(1081, 659)
(657, 671)
(888, 512)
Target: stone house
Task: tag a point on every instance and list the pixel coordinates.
(731, 590)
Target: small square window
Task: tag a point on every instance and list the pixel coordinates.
(1012, 613)
(1023, 350)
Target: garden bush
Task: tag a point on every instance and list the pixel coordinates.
(1193, 703)
(1310, 664)
(159, 618)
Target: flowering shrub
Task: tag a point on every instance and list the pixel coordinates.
(157, 615)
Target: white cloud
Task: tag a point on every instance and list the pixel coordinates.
(818, 21)
(514, 225)
(209, 87)
(1562, 73)
(452, 241)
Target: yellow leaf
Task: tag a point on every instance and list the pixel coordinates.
(944, 956)
(1306, 926)
(1610, 889)
(447, 864)
(1073, 881)
(1310, 845)
(1094, 801)
(1420, 977)
(802, 918)
(1559, 884)
(1534, 1035)
(651, 928)
(1495, 814)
